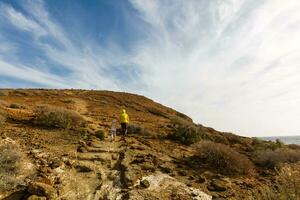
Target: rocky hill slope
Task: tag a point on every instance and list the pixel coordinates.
(55, 144)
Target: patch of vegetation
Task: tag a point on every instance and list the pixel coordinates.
(58, 117)
(184, 132)
(223, 159)
(274, 158)
(17, 106)
(10, 164)
(100, 134)
(287, 186)
(2, 93)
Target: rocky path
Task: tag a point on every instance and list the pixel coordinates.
(104, 158)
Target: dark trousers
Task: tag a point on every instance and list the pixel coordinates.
(124, 128)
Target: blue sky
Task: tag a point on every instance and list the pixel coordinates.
(233, 65)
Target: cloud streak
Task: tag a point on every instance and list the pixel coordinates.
(232, 65)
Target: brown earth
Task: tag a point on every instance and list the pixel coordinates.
(74, 164)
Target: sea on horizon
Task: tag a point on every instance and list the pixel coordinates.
(285, 139)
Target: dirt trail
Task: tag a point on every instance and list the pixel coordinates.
(106, 157)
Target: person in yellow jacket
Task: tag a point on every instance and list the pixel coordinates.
(124, 119)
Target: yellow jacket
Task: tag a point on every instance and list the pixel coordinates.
(124, 117)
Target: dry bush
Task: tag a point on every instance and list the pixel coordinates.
(294, 146)
(100, 134)
(52, 116)
(10, 163)
(288, 183)
(184, 132)
(223, 158)
(139, 130)
(17, 105)
(286, 186)
(273, 158)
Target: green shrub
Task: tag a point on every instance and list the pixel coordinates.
(10, 164)
(223, 158)
(100, 134)
(273, 158)
(184, 132)
(58, 117)
(2, 93)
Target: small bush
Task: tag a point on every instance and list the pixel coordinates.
(223, 159)
(2, 93)
(272, 159)
(184, 132)
(10, 164)
(16, 105)
(100, 134)
(57, 117)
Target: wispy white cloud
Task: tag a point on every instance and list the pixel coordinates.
(232, 65)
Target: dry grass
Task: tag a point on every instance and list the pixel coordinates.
(273, 158)
(286, 186)
(223, 159)
(10, 163)
(57, 117)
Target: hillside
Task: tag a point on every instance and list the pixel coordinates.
(53, 148)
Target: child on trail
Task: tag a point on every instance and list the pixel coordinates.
(113, 129)
(124, 119)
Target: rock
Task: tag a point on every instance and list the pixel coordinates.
(201, 179)
(41, 189)
(80, 167)
(56, 162)
(58, 170)
(114, 157)
(113, 175)
(82, 149)
(148, 167)
(166, 170)
(219, 185)
(182, 173)
(35, 197)
(145, 183)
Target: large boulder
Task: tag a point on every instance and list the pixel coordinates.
(41, 189)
